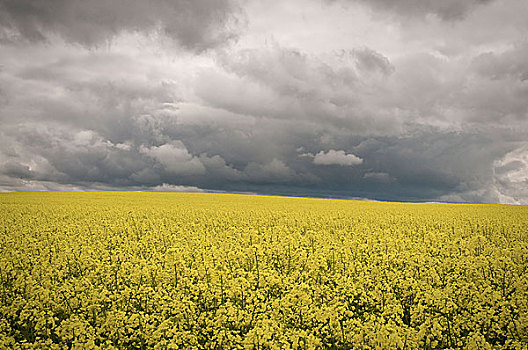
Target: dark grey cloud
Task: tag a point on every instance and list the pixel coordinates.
(195, 24)
(359, 121)
(278, 82)
(371, 61)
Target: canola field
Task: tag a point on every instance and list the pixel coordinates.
(223, 271)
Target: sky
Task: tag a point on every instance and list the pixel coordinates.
(401, 100)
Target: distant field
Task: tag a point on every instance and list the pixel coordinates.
(221, 271)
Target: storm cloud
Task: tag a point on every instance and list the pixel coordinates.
(402, 100)
(194, 24)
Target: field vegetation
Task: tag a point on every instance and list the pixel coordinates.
(222, 271)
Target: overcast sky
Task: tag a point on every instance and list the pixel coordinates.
(414, 100)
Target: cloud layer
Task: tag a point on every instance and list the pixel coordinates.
(447, 10)
(342, 98)
(196, 24)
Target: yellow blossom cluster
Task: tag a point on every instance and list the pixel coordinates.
(223, 271)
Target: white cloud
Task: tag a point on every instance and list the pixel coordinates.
(333, 157)
(511, 176)
(175, 188)
(175, 158)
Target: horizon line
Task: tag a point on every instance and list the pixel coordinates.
(205, 191)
